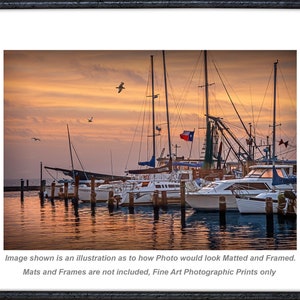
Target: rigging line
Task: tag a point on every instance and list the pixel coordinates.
(51, 175)
(137, 127)
(187, 86)
(79, 161)
(134, 136)
(262, 104)
(142, 131)
(287, 89)
(235, 109)
(71, 156)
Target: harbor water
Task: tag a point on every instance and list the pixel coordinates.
(36, 225)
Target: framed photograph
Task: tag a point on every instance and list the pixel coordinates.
(149, 150)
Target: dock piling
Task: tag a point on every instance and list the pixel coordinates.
(52, 192)
(22, 190)
(75, 198)
(164, 200)
(42, 191)
(269, 217)
(66, 193)
(269, 206)
(155, 205)
(182, 203)
(110, 202)
(93, 196)
(222, 204)
(222, 212)
(131, 203)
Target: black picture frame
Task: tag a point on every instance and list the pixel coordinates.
(102, 4)
(142, 4)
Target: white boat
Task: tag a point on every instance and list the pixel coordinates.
(257, 181)
(59, 189)
(143, 191)
(102, 191)
(283, 202)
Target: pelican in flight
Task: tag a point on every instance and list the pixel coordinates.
(120, 87)
(90, 119)
(36, 139)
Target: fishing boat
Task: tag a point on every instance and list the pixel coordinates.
(144, 187)
(283, 202)
(258, 180)
(102, 191)
(143, 191)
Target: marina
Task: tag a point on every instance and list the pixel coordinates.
(226, 184)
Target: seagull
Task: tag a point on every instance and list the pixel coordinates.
(90, 119)
(120, 87)
(36, 139)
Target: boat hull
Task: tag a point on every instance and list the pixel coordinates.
(146, 198)
(254, 206)
(210, 202)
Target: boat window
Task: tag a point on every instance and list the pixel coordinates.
(255, 173)
(269, 173)
(248, 186)
(211, 185)
(264, 173)
(158, 186)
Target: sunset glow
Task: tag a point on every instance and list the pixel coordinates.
(46, 90)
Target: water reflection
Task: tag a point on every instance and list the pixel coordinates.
(66, 225)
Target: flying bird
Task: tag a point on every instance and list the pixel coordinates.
(36, 139)
(90, 119)
(120, 87)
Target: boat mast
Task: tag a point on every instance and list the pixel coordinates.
(167, 105)
(153, 113)
(70, 149)
(206, 86)
(208, 148)
(274, 112)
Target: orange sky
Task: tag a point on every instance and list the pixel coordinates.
(46, 90)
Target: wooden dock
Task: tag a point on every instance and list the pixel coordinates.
(18, 188)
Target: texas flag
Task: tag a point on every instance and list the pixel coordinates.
(187, 135)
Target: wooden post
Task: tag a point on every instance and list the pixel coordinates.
(131, 203)
(269, 217)
(269, 206)
(281, 204)
(222, 212)
(222, 204)
(22, 190)
(93, 195)
(66, 187)
(164, 200)
(52, 192)
(110, 202)
(75, 198)
(41, 183)
(42, 191)
(182, 203)
(155, 205)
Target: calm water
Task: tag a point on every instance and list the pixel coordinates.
(54, 226)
